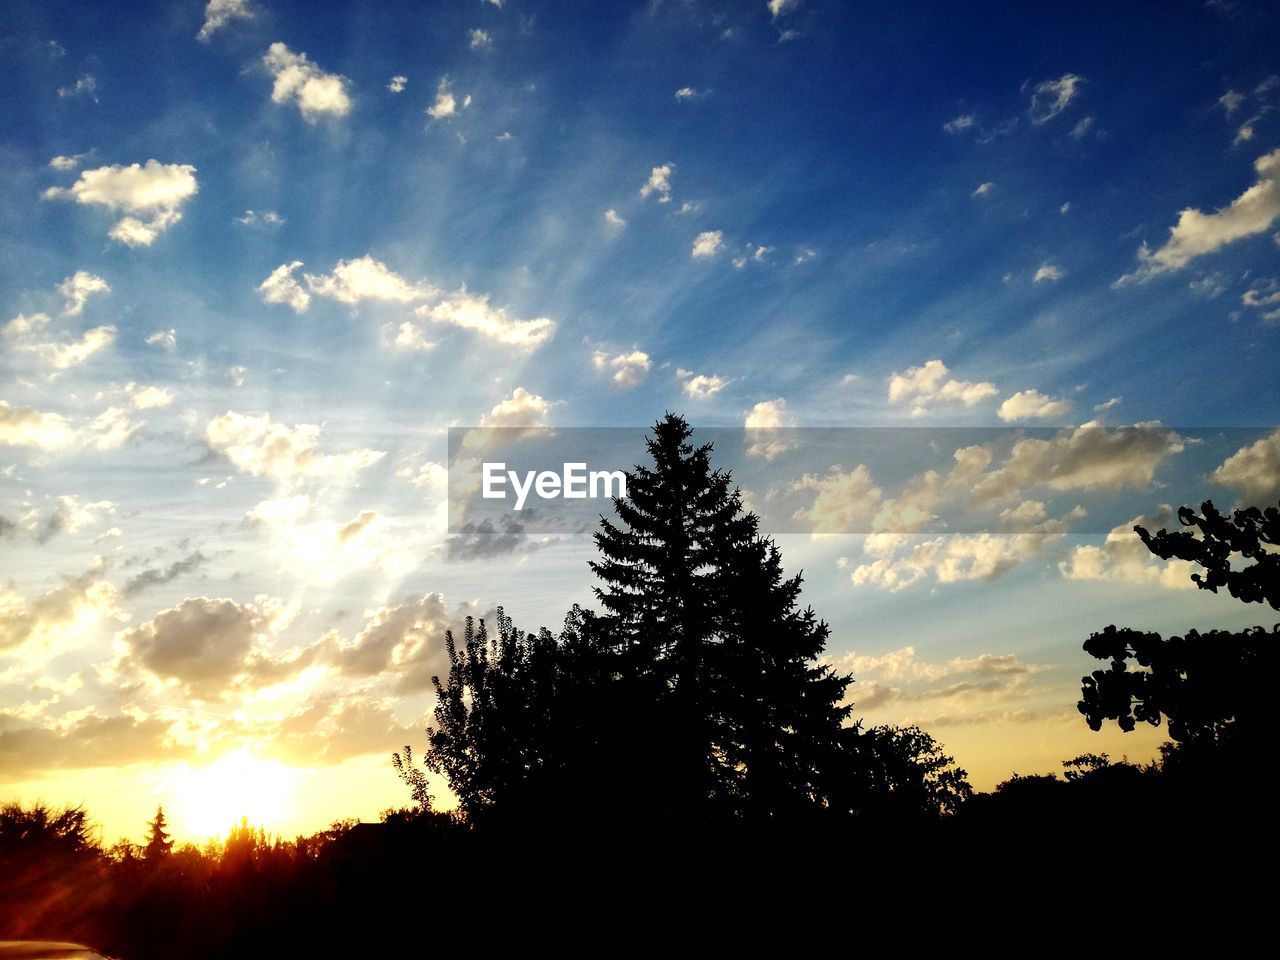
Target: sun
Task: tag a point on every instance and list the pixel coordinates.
(210, 799)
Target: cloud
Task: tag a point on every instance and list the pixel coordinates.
(471, 311)
(323, 549)
(78, 288)
(58, 620)
(686, 93)
(982, 189)
(203, 644)
(479, 40)
(258, 446)
(613, 219)
(69, 514)
(629, 369)
(1197, 234)
(952, 559)
(844, 501)
(1255, 469)
(766, 422)
(659, 183)
(63, 356)
(82, 739)
(931, 383)
(168, 339)
(27, 427)
(1050, 97)
(1032, 404)
(485, 541)
(1230, 102)
(1124, 558)
(158, 576)
(446, 104)
(316, 93)
(405, 640)
(219, 13)
(707, 244)
(700, 386)
(397, 83)
(1088, 457)
(779, 7)
(1264, 295)
(522, 409)
(1082, 128)
(959, 124)
(365, 278)
(62, 162)
(86, 86)
(1047, 272)
(265, 218)
(155, 190)
(281, 287)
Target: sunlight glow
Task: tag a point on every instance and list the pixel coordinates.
(210, 799)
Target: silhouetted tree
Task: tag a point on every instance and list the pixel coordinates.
(1213, 688)
(705, 625)
(414, 778)
(159, 843)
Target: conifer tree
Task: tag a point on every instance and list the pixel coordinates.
(159, 843)
(697, 605)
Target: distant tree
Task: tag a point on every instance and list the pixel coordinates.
(414, 778)
(1213, 688)
(159, 843)
(901, 773)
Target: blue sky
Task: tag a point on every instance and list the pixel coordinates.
(228, 373)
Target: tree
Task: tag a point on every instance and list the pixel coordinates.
(159, 844)
(1213, 688)
(414, 778)
(703, 621)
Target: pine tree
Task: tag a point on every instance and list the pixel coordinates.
(700, 615)
(159, 844)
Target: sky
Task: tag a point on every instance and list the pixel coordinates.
(257, 258)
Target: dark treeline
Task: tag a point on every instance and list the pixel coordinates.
(690, 723)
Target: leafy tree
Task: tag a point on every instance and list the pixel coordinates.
(900, 773)
(415, 779)
(1250, 535)
(1213, 688)
(159, 844)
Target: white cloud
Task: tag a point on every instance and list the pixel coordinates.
(297, 79)
(407, 336)
(1230, 102)
(473, 312)
(843, 501)
(1065, 208)
(982, 189)
(1124, 558)
(1255, 469)
(219, 13)
(767, 420)
(264, 218)
(686, 93)
(155, 190)
(148, 398)
(931, 383)
(613, 219)
(1050, 97)
(1264, 295)
(1107, 404)
(952, 559)
(281, 287)
(521, 409)
(365, 278)
(1047, 272)
(479, 40)
(659, 182)
(707, 244)
(259, 446)
(78, 288)
(778, 7)
(1032, 404)
(27, 427)
(1197, 234)
(397, 83)
(163, 338)
(61, 162)
(959, 124)
(60, 619)
(629, 369)
(86, 86)
(1082, 128)
(446, 103)
(63, 356)
(700, 386)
